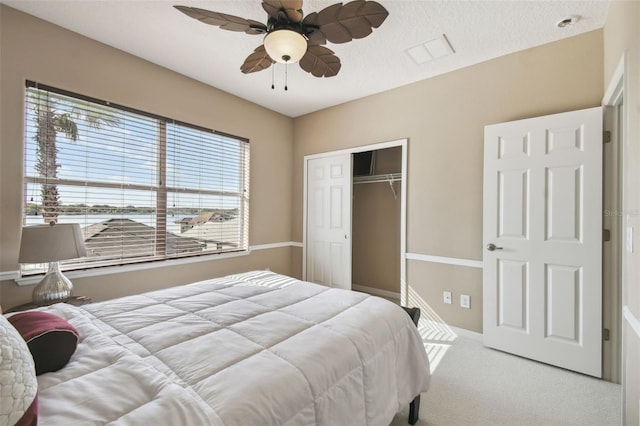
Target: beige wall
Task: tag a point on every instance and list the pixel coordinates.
(622, 34)
(444, 118)
(35, 50)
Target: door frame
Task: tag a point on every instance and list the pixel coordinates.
(614, 110)
(403, 143)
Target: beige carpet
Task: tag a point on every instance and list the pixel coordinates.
(474, 385)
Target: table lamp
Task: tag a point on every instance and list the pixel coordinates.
(51, 243)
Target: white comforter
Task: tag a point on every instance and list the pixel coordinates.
(248, 349)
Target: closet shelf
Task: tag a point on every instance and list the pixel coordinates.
(390, 177)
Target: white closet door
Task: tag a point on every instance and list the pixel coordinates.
(328, 241)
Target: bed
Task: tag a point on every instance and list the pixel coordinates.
(256, 348)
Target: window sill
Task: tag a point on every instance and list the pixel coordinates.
(35, 279)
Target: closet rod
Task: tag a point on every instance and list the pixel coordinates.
(391, 177)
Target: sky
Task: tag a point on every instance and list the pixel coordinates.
(126, 155)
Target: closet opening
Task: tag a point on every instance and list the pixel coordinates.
(376, 222)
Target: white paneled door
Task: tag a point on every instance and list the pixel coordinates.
(542, 279)
(328, 238)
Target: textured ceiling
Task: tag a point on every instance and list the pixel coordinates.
(477, 30)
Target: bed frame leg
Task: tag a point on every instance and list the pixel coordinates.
(414, 406)
(414, 410)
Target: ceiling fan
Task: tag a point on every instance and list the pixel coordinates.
(288, 38)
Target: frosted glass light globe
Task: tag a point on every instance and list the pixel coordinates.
(285, 46)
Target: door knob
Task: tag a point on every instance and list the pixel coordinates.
(492, 247)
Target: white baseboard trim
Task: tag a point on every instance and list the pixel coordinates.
(450, 329)
(467, 333)
(446, 260)
(376, 291)
(631, 319)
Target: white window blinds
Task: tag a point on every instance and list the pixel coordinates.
(142, 187)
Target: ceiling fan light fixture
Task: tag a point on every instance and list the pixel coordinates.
(285, 46)
(291, 37)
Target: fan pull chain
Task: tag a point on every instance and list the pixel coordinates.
(286, 68)
(286, 76)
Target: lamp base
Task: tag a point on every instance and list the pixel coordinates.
(53, 288)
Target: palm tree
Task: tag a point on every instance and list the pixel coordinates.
(51, 120)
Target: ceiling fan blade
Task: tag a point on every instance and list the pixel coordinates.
(224, 21)
(341, 23)
(314, 35)
(320, 62)
(257, 61)
(292, 8)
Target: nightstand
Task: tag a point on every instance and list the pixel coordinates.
(74, 300)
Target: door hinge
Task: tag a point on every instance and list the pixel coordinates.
(606, 136)
(606, 235)
(606, 335)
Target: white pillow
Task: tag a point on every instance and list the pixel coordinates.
(17, 375)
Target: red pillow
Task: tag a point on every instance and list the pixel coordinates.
(51, 339)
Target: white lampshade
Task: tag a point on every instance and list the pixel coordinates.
(285, 46)
(50, 243)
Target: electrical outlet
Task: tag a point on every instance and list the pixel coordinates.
(465, 301)
(447, 297)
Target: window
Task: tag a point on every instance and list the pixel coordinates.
(142, 187)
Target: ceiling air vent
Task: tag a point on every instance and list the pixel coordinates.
(436, 48)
